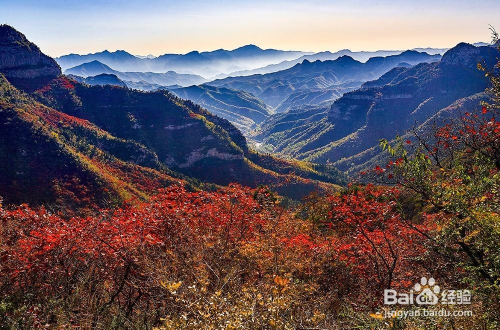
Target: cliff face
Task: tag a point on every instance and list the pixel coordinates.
(21, 59)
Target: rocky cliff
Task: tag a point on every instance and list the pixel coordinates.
(21, 59)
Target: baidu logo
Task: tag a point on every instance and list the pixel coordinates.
(426, 292)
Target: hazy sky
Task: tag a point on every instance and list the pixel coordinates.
(158, 27)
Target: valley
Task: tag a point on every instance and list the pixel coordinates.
(323, 107)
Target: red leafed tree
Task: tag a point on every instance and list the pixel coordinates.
(372, 238)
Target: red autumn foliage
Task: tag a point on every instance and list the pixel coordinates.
(44, 255)
(374, 240)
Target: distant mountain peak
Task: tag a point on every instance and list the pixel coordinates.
(149, 56)
(91, 68)
(345, 58)
(411, 52)
(123, 54)
(95, 63)
(249, 47)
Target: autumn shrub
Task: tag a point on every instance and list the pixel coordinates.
(187, 259)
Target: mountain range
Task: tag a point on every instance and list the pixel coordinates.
(242, 109)
(371, 157)
(161, 79)
(247, 101)
(337, 77)
(100, 79)
(383, 108)
(206, 64)
(87, 139)
(361, 56)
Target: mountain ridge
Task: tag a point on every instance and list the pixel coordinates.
(22, 60)
(241, 108)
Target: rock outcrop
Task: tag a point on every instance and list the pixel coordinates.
(21, 59)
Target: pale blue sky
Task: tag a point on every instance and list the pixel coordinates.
(143, 27)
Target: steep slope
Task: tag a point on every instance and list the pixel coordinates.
(411, 97)
(313, 97)
(71, 162)
(338, 76)
(369, 158)
(163, 79)
(243, 109)
(168, 125)
(387, 107)
(185, 137)
(295, 131)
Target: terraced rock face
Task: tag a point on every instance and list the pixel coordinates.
(20, 59)
(179, 132)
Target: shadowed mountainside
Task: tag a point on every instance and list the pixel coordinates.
(100, 79)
